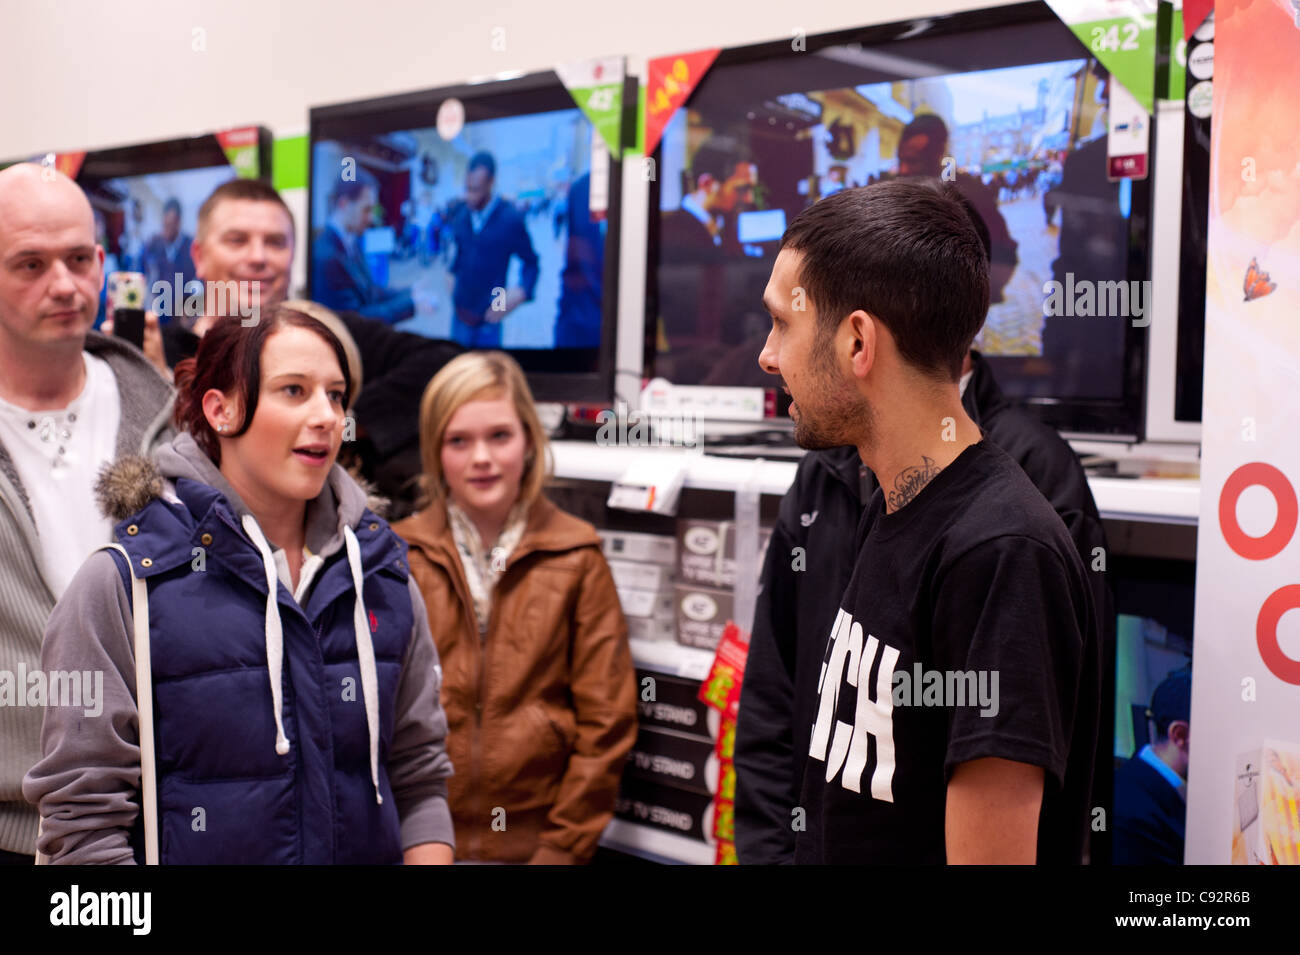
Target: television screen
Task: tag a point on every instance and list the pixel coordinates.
(146, 223)
(486, 237)
(146, 201)
(1155, 598)
(1014, 113)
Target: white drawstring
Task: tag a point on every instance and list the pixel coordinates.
(365, 657)
(274, 631)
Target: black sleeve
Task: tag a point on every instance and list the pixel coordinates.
(396, 367)
(1006, 609)
(766, 790)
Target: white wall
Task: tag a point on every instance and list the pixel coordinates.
(86, 74)
(89, 74)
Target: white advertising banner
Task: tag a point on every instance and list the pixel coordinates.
(1244, 742)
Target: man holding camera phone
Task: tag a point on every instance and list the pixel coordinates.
(71, 400)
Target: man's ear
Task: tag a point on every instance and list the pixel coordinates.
(196, 256)
(1179, 732)
(863, 335)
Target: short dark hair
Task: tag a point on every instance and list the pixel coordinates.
(977, 220)
(172, 205)
(230, 359)
(1172, 700)
(927, 124)
(482, 160)
(907, 253)
(352, 188)
(251, 190)
(708, 161)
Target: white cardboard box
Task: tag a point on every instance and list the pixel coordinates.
(630, 575)
(646, 548)
(647, 603)
(654, 629)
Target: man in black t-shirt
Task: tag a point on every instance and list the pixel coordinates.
(957, 707)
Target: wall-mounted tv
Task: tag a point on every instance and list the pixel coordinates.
(1006, 101)
(483, 231)
(146, 198)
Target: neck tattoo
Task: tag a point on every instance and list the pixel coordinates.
(909, 481)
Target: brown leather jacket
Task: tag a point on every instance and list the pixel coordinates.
(541, 710)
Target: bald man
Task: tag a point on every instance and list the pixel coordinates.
(71, 400)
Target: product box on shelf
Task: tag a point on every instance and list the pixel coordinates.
(655, 629)
(670, 758)
(707, 551)
(631, 575)
(702, 614)
(658, 604)
(669, 808)
(646, 548)
(673, 704)
(1266, 830)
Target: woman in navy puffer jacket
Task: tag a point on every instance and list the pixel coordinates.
(290, 684)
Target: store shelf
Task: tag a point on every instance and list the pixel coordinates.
(1160, 500)
(592, 462)
(655, 844)
(689, 663)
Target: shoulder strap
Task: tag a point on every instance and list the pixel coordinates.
(144, 705)
(139, 593)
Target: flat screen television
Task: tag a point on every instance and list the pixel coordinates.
(146, 199)
(1005, 100)
(1195, 237)
(1154, 639)
(439, 234)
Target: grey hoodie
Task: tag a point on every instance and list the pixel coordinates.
(87, 784)
(26, 596)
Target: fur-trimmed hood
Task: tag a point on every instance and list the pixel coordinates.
(333, 520)
(132, 482)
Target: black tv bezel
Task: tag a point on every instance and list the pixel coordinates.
(418, 110)
(1116, 418)
(1193, 259)
(170, 155)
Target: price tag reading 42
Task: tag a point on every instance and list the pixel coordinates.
(1121, 34)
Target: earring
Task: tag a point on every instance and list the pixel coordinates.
(222, 429)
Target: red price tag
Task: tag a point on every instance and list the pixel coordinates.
(669, 83)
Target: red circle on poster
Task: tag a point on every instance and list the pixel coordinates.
(1269, 477)
(1270, 651)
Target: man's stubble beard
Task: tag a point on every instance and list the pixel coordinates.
(843, 417)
